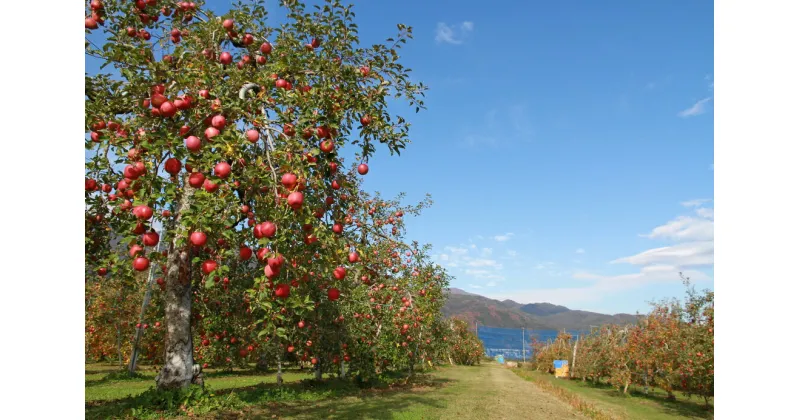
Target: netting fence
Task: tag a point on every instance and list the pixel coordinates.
(515, 343)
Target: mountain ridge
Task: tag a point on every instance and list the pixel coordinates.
(508, 313)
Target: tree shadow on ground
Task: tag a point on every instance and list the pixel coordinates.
(304, 399)
(682, 408)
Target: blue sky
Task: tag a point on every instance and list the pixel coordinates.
(568, 145)
(565, 145)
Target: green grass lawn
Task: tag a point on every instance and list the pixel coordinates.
(100, 388)
(460, 392)
(637, 405)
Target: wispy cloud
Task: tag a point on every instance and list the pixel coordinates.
(453, 34)
(511, 253)
(501, 126)
(692, 252)
(580, 251)
(697, 202)
(698, 108)
(503, 238)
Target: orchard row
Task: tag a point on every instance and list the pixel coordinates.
(672, 348)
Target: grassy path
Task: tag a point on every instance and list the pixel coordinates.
(481, 392)
(637, 405)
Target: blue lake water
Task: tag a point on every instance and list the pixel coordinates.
(508, 342)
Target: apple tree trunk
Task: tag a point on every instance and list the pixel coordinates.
(178, 370)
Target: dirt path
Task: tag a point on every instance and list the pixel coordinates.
(481, 392)
(493, 392)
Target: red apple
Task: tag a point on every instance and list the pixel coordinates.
(295, 200)
(266, 48)
(245, 253)
(150, 238)
(222, 169)
(337, 228)
(289, 180)
(227, 24)
(268, 229)
(225, 58)
(168, 109)
(339, 273)
(282, 291)
(208, 266)
(363, 169)
(210, 186)
(196, 179)
(252, 135)
(333, 294)
(218, 122)
(326, 146)
(353, 257)
(211, 132)
(143, 212)
(198, 238)
(141, 263)
(173, 166)
(193, 144)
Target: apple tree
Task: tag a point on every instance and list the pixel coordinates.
(216, 133)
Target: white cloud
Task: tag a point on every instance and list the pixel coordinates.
(698, 108)
(580, 251)
(491, 284)
(601, 287)
(697, 202)
(511, 253)
(689, 254)
(475, 286)
(692, 252)
(511, 124)
(456, 251)
(705, 212)
(503, 238)
(481, 262)
(486, 252)
(452, 34)
(444, 257)
(482, 274)
(686, 228)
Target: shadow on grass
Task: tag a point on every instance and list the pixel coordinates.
(682, 408)
(306, 398)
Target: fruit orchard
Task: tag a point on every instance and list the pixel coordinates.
(671, 348)
(225, 219)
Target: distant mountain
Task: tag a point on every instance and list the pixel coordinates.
(510, 314)
(543, 309)
(457, 291)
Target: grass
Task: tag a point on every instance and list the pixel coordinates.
(469, 393)
(250, 394)
(102, 383)
(609, 402)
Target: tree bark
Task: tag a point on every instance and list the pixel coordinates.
(178, 369)
(279, 376)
